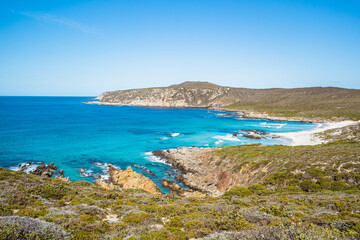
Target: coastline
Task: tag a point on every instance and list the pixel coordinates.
(308, 137)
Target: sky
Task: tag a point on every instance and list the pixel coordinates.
(83, 48)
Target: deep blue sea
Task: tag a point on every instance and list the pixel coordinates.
(75, 135)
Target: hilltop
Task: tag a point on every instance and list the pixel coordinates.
(314, 103)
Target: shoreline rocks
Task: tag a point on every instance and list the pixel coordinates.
(46, 170)
(130, 179)
(205, 172)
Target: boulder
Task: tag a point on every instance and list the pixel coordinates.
(39, 170)
(61, 172)
(172, 186)
(105, 185)
(51, 166)
(46, 173)
(129, 179)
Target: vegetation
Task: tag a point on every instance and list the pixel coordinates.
(304, 103)
(89, 212)
(303, 192)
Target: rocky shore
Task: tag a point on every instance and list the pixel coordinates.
(203, 171)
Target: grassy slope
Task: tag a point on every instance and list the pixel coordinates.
(81, 208)
(315, 102)
(325, 103)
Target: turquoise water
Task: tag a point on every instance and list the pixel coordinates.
(75, 135)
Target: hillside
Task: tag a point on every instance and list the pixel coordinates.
(315, 103)
(267, 192)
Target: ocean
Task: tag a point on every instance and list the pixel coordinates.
(75, 135)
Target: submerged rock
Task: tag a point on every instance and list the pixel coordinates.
(129, 179)
(253, 136)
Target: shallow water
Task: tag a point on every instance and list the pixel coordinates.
(75, 135)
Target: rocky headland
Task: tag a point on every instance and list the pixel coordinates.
(202, 172)
(315, 104)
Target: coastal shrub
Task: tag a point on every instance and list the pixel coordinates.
(174, 222)
(231, 220)
(14, 227)
(28, 212)
(158, 235)
(316, 173)
(136, 218)
(87, 218)
(325, 183)
(5, 210)
(339, 186)
(193, 224)
(310, 186)
(55, 190)
(293, 189)
(19, 199)
(238, 191)
(258, 189)
(275, 210)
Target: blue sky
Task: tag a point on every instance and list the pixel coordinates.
(86, 47)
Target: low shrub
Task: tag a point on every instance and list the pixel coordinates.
(239, 191)
(174, 222)
(55, 191)
(310, 186)
(193, 224)
(136, 218)
(339, 186)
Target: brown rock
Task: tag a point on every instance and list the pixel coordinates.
(129, 179)
(39, 170)
(61, 172)
(105, 185)
(51, 166)
(223, 182)
(172, 186)
(253, 136)
(47, 173)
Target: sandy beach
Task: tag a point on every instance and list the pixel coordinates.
(307, 137)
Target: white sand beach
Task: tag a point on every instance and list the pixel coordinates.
(307, 137)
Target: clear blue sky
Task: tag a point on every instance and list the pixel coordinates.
(65, 47)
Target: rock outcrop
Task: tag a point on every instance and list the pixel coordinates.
(202, 172)
(176, 189)
(105, 185)
(129, 179)
(46, 171)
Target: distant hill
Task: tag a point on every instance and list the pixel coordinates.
(314, 102)
(195, 84)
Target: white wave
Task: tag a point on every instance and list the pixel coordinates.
(273, 125)
(150, 156)
(104, 175)
(219, 141)
(30, 167)
(174, 134)
(227, 137)
(164, 138)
